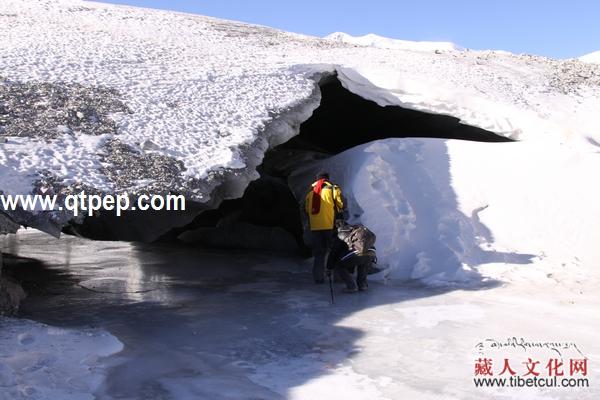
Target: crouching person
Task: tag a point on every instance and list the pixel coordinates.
(353, 247)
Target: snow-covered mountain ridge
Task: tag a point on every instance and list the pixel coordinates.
(382, 42)
(591, 58)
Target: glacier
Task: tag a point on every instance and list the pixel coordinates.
(166, 102)
(494, 234)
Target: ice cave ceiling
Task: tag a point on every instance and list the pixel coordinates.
(268, 215)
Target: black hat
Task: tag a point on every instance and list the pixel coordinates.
(323, 174)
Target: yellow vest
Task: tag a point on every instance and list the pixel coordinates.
(331, 201)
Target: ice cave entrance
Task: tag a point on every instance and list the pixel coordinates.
(269, 216)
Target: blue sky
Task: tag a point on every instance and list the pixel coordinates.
(553, 28)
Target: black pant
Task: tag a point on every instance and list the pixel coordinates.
(321, 241)
(345, 269)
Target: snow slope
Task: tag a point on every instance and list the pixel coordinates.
(387, 43)
(442, 208)
(209, 96)
(591, 58)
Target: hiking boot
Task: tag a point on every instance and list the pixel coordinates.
(350, 290)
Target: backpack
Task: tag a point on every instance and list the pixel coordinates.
(361, 240)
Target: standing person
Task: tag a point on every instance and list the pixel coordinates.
(353, 247)
(323, 201)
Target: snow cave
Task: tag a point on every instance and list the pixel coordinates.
(269, 216)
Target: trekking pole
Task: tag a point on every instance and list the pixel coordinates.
(331, 288)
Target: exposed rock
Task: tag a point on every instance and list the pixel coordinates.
(571, 75)
(44, 109)
(125, 166)
(7, 226)
(11, 294)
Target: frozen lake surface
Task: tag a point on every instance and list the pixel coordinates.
(206, 324)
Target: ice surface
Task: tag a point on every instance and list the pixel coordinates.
(38, 361)
(198, 324)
